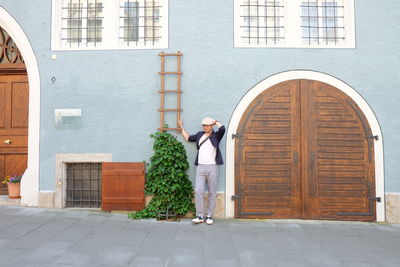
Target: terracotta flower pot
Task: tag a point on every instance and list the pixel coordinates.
(14, 190)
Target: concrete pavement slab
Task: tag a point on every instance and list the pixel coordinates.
(117, 255)
(58, 224)
(17, 230)
(41, 237)
(148, 261)
(221, 262)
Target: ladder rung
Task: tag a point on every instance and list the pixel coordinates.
(168, 109)
(169, 129)
(170, 91)
(170, 72)
(170, 54)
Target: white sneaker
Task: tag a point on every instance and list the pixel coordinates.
(198, 219)
(209, 220)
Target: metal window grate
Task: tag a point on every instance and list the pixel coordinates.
(82, 22)
(323, 22)
(140, 22)
(9, 52)
(262, 21)
(83, 185)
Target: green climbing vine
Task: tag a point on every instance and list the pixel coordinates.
(166, 179)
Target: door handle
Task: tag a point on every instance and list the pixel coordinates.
(8, 142)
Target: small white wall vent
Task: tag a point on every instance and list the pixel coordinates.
(68, 118)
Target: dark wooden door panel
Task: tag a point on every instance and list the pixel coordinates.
(344, 180)
(3, 187)
(19, 104)
(3, 100)
(302, 152)
(15, 164)
(11, 165)
(267, 149)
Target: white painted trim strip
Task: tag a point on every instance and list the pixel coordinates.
(30, 180)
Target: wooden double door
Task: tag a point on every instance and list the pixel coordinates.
(304, 149)
(14, 102)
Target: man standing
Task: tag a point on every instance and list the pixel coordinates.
(207, 160)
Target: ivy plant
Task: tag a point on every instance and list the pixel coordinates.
(166, 179)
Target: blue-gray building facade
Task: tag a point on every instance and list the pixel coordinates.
(117, 89)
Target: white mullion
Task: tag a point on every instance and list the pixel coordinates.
(293, 23)
(116, 24)
(83, 15)
(321, 30)
(121, 23)
(110, 24)
(141, 22)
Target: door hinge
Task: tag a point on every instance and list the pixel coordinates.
(376, 137)
(233, 197)
(234, 136)
(377, 199)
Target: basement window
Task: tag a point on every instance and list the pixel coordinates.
(83, 188)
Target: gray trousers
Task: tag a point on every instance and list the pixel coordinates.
(206, 173)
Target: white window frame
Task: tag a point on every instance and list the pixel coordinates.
(111, 29)
(292, 28)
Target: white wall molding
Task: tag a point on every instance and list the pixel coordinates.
(310, 75)
(30, 180)
(60, 185)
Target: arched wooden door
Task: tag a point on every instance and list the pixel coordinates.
(304, 150)
(14, 108)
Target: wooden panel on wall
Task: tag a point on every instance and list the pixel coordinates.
(123, 186)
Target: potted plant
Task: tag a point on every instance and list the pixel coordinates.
(13, 184)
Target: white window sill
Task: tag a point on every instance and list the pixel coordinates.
(297, 46)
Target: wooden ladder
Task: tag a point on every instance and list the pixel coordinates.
(163, 91)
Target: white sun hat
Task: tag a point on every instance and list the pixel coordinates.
(207, 121)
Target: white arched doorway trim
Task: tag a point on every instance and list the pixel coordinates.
(310, 75)
(30, 180)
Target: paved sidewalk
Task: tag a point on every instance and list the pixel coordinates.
(48, 237)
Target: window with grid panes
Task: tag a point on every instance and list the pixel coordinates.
(83, 185)
(294, 23)
(109, 24)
